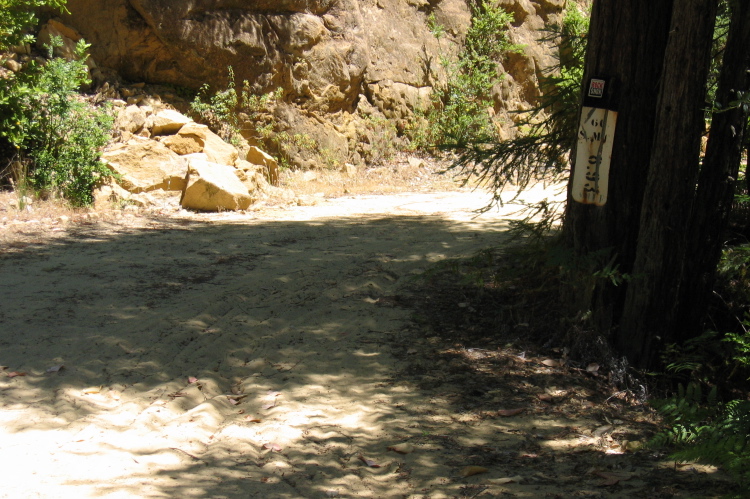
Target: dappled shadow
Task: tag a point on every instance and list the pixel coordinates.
(243, 359)
(254, 358)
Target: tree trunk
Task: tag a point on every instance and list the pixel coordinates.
(627, 41)
(650, 308)
(718, 176)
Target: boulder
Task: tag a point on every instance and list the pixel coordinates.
(167, 122)
(214, 187)
(69, 37)
(216, 150)
(254, 176)
(259, 157)
(146, 165)
(110, 195)
(131, 119)
(184, 144)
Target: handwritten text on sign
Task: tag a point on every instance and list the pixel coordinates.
(596, 134)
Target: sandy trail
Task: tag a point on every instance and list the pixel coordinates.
(278, 315)
(268, 355)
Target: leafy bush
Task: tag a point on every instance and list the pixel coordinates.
(57, 136)
(223, 109)
(227, 111)
(546, 134)
(459, 109)
(18, 15)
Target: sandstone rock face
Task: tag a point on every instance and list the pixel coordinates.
(146, 165)
(270, 166)
(167, 122)
(214, 147)
(330, 58)
(214, 187)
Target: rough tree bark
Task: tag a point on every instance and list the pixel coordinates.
(650, 308)
(718, 175)
(626, 42)
(660, 54)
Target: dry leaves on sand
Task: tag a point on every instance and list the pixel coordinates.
(507, 479)
(510, 412)
(611, 478)
(15, 374)
(473, 470)
(369, 462)
(552, 363)
(272, 395)
(403, 448)
(272, 447)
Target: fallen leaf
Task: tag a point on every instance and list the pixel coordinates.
(273, 393)
(602, 430)
(272, 447)
(509, 479)
(253, 419)
(369, 462)
(235, 399)
(612, 478)
(552, 363)
(404, 448)
(545, 397)
(510, 412)
(54, 369)
(265, 407)
(91, 389)
(592, 368)
(192, 379)
(473, 470)
(176, 394)
(14, 374)
(412, 351)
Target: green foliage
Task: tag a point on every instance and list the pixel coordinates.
(229, 110)
(459, 109)
(223, 110)
(707, 431)
(16, 16)
(58, 135)
(546, 134)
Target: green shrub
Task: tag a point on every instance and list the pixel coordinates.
(57, 135)
(222, 110)
(546, 134)
(459, 111)
(18, 15)
(228, 110)
(707, 431)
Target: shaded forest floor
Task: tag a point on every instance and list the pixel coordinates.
(354, 347)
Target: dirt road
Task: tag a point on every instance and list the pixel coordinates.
(242, 356)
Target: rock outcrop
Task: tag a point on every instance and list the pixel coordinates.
(339, 63)
(162, 151)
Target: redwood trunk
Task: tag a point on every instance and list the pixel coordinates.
(650, 308)
(718, 176)
(627, 41)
